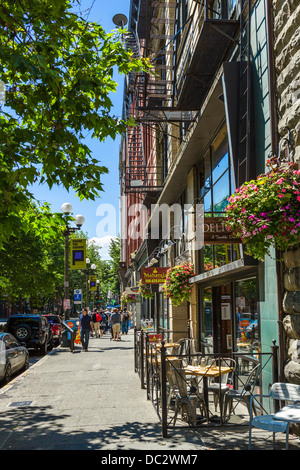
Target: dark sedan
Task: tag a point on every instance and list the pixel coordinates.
(13, 357)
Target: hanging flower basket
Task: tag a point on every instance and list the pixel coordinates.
(176, 286)
(265, 212)
(127, 298)
(145, 290)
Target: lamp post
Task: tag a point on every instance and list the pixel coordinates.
(87, 282)
(79, 220)
(98, 282)
(93, 267)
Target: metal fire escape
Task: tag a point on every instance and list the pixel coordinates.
(138, 174)
(192, 52)
(245, 99)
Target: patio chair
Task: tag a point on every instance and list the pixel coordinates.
(268, 422)
(186, 348)
(219, 385)
(185, 401)
(172, 388)
(244, 394)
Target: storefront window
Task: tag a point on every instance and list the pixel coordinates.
(163, 312)
(246, 316)
(216, 188)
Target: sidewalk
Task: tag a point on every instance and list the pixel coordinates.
(93, 400)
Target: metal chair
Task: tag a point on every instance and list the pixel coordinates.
(219, 385)
(185, 401)
(244, 394)
(186, 348)
(268, 422)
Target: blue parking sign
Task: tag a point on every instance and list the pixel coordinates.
(77, 295)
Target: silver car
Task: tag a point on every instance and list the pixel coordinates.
(13, 357)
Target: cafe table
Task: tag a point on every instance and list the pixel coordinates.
(207, 372)
(166, 345)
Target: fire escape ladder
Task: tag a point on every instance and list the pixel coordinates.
(244, 160)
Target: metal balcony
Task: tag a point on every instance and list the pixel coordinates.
(143, 178)
(199, 55)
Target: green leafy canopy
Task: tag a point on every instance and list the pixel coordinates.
(58, 72)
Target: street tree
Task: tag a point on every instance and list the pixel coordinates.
(58, 74)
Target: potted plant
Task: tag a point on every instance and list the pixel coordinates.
(145, 290)
(127, 298)
(176, 286)
(265, 212)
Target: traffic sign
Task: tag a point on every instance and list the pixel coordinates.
(67, 304)
(77, 296)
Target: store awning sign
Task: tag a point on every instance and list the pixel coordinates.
(154, 275)
(216, 233)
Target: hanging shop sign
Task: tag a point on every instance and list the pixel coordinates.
(154, 275)
(154, 338)
(216, 233)
(78, 253)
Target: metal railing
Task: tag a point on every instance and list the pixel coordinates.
(163, 373)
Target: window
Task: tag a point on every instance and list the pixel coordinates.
(246, 316)
(165, 155)
(215, 188)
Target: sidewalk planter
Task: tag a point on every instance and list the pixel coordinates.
(265, 212)
(177, 287)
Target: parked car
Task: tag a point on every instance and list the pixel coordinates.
(57, 327)
(13, 357)
(32, 330)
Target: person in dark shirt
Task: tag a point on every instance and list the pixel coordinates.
(86, 325)
(116, 324)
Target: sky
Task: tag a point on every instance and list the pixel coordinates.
(95, 212)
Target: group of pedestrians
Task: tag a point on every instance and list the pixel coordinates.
(100, 321)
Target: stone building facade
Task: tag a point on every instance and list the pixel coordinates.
(287, 68)
(286, 37)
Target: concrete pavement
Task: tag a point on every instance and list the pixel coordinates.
(93, 400)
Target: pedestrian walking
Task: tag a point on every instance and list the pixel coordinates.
(101, 322)
(125, 321)
(86, 326)
(116, 324)
(96, 317)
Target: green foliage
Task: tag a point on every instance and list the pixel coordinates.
(29, 260)
(176, 286)
(58, 73)
(265, 212)
(145, 290)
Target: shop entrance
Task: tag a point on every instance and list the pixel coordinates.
(229, 318)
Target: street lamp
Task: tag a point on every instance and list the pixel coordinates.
(79, 221)
(93, 267)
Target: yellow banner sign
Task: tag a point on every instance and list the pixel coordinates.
(78, 253)
(93, 282)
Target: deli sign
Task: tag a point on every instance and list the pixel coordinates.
(216, 233)
(154, 275)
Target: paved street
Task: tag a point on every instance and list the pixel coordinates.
(94, 401)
